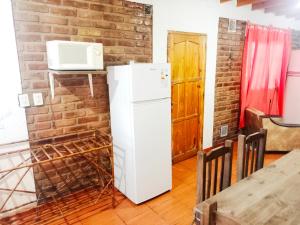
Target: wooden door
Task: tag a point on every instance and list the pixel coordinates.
(186, 53)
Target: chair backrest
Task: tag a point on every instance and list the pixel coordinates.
(209, 178)
(251, 151)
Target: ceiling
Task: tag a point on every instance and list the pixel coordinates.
(286, 8)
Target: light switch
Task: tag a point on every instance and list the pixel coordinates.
(24, 100)
(38, 99)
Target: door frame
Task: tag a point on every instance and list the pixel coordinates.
(202, 83)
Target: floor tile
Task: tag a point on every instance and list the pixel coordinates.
(108, 217)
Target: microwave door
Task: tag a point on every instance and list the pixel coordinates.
(72, 57)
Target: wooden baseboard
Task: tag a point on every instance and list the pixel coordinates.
(185, 156)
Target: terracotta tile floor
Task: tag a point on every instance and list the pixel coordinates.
(172, 208)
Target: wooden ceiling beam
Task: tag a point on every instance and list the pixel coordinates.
(267, 4)
(244, 2)
(277, 7)
(274, 3)
(286, 8)
(280, 9)
(247, 2)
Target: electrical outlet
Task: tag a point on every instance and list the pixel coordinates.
(24, 100)
(224, 131)
(38, 99)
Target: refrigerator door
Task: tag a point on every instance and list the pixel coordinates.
(153, 163)
(150, 81)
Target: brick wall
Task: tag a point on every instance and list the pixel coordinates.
(124, 28)
(296, 39)
(228, 75)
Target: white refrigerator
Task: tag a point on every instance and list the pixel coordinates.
(140, 111)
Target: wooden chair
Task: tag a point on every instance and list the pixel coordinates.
(208, 215)
(255, 144)
(221, 179)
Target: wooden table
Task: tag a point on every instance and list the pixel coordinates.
(269, 196)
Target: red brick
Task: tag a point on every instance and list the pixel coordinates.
(138, 51)
(82, 23)
(35, 47)
(42, 125)
(88, 119)
(37, 110)
(87, 14)
(113, 18)
(105, 25)
(75, 128)
(56, 37)
(48, 117)
(63, 30)
(26, 17)
(63, 12)
(70, 98)
(143, 29)
(33, 57)
(98, 7)
(65, 122)
(133, 36)
(63, 107)
(72, 82)
(140, 44)
(107, 42)
(53, 20)
(134, 20)
(40, 75)
(30, 119)
(74, 114)
(38, 66)
(53, 2)
(76, 4)
(35, 28)
(40, 84)
(49, 133)
(89, 32)
(124, 26)
(112, 34)
(63, 91)
(127, 43)
(32, 7)
(29, 37)
(113, 50)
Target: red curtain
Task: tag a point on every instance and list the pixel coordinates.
(265, 63)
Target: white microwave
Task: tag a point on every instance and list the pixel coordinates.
(73, 55)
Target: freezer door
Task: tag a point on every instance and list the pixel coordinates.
(153, 160)
(150, 81)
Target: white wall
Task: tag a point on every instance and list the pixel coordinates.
(13, 125)
(201, 16)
